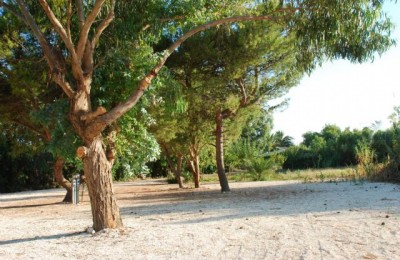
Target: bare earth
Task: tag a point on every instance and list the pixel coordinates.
(257, 220)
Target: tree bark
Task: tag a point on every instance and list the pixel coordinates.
(219, 151)
(194, 166)
(59, 176)
(178, 170)
(98, 178)
(97, 167)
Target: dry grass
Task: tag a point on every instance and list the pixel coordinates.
(309, 175)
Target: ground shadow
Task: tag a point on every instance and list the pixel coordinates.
(285, 199)
(33, 196)
(33, 205)
(29, 239)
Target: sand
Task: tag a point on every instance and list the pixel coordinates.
(257, 220)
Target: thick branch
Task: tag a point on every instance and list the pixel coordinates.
(83, 36)
(80, 13)
(92, 115)
(30, 22)
(64, 36)
(53, 58)
(101, 122)
(60, 80)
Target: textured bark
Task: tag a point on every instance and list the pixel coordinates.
(97, 168)
(98, 178)
(58, 174)
(219, 151)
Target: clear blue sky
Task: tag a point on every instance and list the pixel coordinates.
(345, 94)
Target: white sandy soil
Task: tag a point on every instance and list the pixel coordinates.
(257, 220)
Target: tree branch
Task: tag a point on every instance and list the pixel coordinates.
(83, 36)
(80, 12)
(98, 125)
(244, 100)
(103, 25)
(54, 59)
(45, 134)
(76, 68)
(60, 80)
(69, 14)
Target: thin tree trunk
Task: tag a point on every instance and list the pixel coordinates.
(98, 178)
(59, 176)
(219, 152)
(194, 166)
(177, 171)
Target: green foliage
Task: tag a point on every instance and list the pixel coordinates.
(330, 148)
(241, 152)
(279, 50)
(386, 145)
(53, 116)
(365, 160)
(252, 157)
(23, 171)
(158, 168)
(333, 29)
(135, 146)
(258, 165)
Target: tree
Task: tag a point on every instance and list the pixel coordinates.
(325, 29)
(231, 83)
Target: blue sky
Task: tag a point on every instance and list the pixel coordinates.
(345, 94)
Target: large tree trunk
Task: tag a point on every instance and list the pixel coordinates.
(98, 178)
(96, 165)
(59, 176)
(219, 152)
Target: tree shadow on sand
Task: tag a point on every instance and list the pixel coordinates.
(277, 200)
(30, 239)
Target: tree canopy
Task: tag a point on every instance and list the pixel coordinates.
(77, 38)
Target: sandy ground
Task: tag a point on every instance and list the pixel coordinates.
(257, 220)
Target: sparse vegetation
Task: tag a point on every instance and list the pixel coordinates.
(308, 175)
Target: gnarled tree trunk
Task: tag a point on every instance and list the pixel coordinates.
(98, 178)
(97, 164)
(219, 151)
(59, 176)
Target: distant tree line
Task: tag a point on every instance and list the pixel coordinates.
(333, 147)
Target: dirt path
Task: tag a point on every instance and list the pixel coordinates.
(257, 220)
